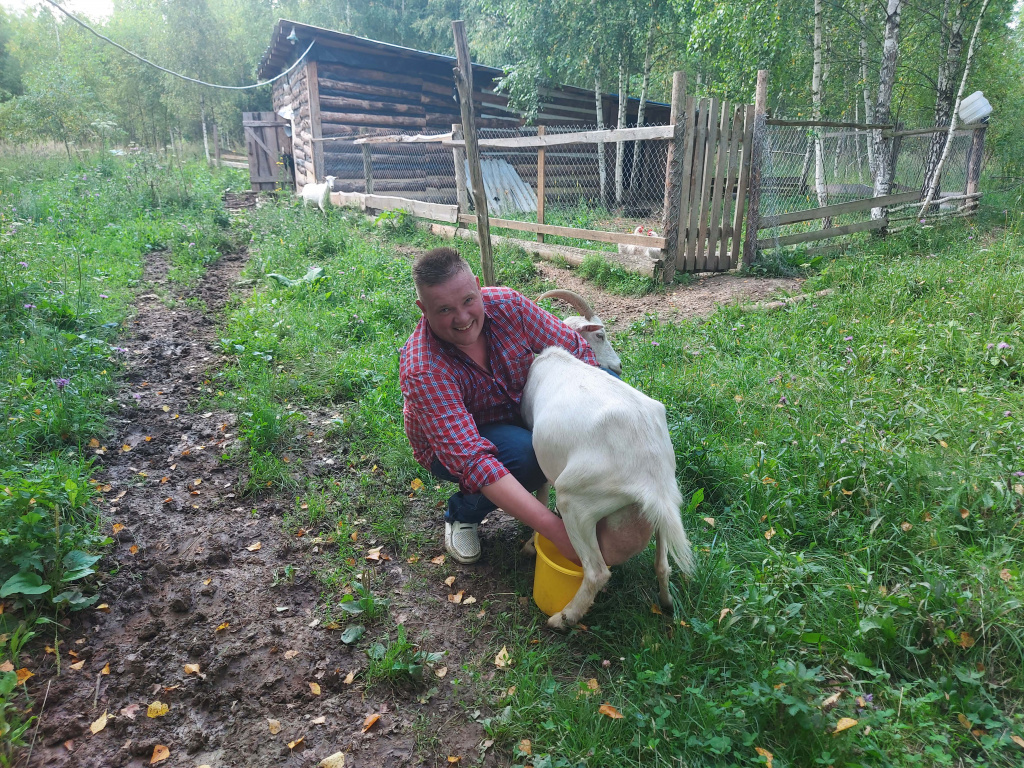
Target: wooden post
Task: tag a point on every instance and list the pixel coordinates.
(756, 153)
(313, 88)
(540, 184)
(216, 146)
(459, 156)
(974, 168)
(367, 166)
(464, 80)
(674, 180)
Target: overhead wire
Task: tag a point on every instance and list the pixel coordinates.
(172, 72)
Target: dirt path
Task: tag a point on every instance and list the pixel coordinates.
(195, 578)
(677, 301)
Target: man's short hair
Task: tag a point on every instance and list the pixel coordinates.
(438, 266)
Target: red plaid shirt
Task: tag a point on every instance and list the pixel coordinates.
(447, 395)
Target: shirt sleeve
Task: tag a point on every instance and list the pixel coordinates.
(545, 330)
(436, 400)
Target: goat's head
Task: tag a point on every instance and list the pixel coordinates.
(329, 181)
(588, 325)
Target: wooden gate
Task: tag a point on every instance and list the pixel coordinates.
(269, 149)
(716, 168)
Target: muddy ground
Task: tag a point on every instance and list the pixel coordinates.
(195, 578)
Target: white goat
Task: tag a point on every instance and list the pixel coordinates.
(317, 194)
(641, 250)
(606, 448)
(589, 326)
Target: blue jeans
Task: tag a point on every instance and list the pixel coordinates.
(515, 451)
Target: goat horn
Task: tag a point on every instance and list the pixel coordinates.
(569, 297)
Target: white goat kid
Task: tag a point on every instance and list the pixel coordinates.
(588, 325)
(317, 194)
(606, 448)
(641, 250)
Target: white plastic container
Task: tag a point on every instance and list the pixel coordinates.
(975, 108)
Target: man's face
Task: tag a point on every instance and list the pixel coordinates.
(454, 309)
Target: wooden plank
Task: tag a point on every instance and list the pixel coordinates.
(464, 81)
(419, 208)
(367, 169)
(696, 182)
(541, 159)
(342, 103)
(718, 185)
(823, 234)
(559, 253)
(724, 261)
(647, 133)
(459, 158)
(351, 118)
(315, 118)
(263, 123)
(838, 209)
(741, 185)
(924, 131)
(974, 158)
(583, 234)
(828, 124)
(685, 186)
(404, 138)
(700, 254)
(671, 213)
(756, 151)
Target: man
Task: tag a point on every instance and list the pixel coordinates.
(462, 374)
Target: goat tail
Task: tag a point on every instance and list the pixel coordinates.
(663, 514)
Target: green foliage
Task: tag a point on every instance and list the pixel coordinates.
(398, 661)
(13, 703)
(615, 279)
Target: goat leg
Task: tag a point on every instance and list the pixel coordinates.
(583, 535)
(663, 571)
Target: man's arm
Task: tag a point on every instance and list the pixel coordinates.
(509, 494)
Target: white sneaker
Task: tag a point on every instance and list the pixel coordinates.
(462, 542)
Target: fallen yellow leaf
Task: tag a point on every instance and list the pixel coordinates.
(769, 533)
(349, 678)
(337, 760)
(966, 641)
(457, 597)
(503, 659)
(413, 559)
(314, 688)
(126, 447)
(963, 720)
(160, 753)
(222, 627)
(439, 560)
(943, 444)
(23, 674)
(370, 721)
(964, 513)
(117, 527)
(906, 526)
(608, 710)
(468, 600)
(255, 547)
(723, 613)
(656, 609)
(103, 607)
(441, 672)
(710, 521)
(1017, 740)
(844, 723)
(99, 725)
(525, 747)
(831, 700)
(7, 666)
(768, 756)
(165, 408)
(77, 666)
(106, 669)
(94, 443)
(454, 760)
(296, 743)
(133, 549)
(449, 581)
(1005, 575)
(416, 484)
(157, 709)
(191, 669)
(374, 553)
(274, 725)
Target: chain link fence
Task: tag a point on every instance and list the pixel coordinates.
(630, 194)
(806, 168)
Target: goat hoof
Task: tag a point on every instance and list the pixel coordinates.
(557, 622)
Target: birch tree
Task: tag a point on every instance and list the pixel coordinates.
(883, 104)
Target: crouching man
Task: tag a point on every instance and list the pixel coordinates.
(462, 374)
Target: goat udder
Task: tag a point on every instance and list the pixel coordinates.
(623, 534)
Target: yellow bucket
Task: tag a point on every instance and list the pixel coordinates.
(555, 579)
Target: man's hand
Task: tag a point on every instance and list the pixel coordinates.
(509, 494)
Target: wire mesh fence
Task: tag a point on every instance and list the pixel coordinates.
(807, 168)
(628, 194)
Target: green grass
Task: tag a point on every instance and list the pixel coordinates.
(856, 457)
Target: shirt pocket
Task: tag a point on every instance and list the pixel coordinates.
(519, 367)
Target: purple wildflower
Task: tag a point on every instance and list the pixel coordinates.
(1002, 345)
(61, 383)
(191, 245)
(783, 400)
(104, 296)
(1007, 413)
(30, 306)
(23, 264)
(849, 350)
(655, 344)
(921, 221)
(989, 346)
(137, 395)
(847, 338)
(970, 237)
(1018, 474)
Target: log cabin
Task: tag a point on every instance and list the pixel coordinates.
(351, 86)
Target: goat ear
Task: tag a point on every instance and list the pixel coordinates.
(589, 328)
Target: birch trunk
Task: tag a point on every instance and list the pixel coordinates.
(956, 108)
(202, 115)
(816, 78)
(644, 90)
(602, 170)
(869, 112)
(883, 105)
(949, 63)
(620, 146)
